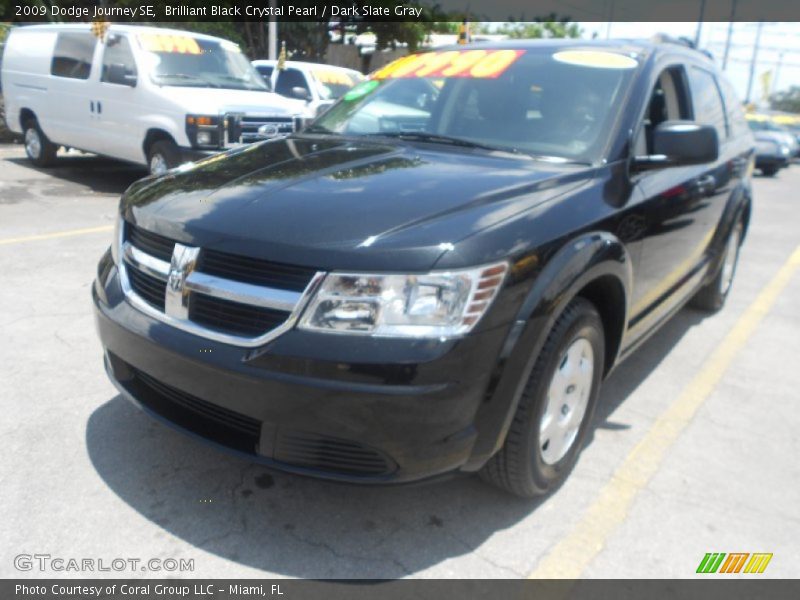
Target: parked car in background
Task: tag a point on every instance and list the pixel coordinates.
(761, 123)
(443, 286)
(153, 96)
(774, 145)
(318, 84)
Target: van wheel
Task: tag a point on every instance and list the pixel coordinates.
(769, 171)
(712, 296)
(40, 150)
(556, 407)
(162, 156)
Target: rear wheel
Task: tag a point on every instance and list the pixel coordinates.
(712, 296)
(769, 171)
(163, 156)
(556, 407)
(39, 149)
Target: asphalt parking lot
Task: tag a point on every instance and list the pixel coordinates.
(695, 451)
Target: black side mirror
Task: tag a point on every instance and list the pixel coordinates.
(680, 143)
(301, 93)
(117, 74)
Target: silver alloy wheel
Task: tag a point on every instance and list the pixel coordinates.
(731, 256)
(158, 164)
(33, 143)
(567, 399)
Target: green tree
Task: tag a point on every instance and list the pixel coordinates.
(787, 100)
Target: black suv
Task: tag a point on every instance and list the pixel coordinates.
(436, 275)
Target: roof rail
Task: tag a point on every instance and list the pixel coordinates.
(663, 38)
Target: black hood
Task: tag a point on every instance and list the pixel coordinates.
(332, 202)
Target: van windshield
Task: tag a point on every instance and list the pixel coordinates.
(539, 101)
(185, 61)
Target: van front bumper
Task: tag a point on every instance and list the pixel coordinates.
(348, 408)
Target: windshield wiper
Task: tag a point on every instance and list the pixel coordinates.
(187, 76)
(421, 136)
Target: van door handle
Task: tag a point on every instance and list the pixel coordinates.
(99, 108)
(91, 105)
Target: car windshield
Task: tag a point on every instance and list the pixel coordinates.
(759, 125)
(334, 83)
(542, 102)
(182, 60)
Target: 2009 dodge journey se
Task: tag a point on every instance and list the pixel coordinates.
(435, 275)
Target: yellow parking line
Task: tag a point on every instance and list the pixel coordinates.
(56, 234)
(575, 552)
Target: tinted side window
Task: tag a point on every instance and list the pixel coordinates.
(708, 107)
(118, 52)
(72, 56)
(737, 124)
(288, 79)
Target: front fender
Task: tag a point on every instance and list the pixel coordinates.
(593, 256)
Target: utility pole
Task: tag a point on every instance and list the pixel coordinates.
(272, 32)
(700, 23)
(730, 35)
(610, 19)
(753, 61)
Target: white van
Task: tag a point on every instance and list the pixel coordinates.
(152, 96)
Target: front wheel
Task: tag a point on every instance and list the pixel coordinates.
(769, 171)
(712, 296)
(556, 406)
(39, 149)
(163, 156)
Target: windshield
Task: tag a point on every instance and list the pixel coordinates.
(757, 125)
(541, 102)
(334, 83)
(185, 61)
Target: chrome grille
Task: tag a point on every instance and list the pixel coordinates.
(225, 297)
(249, 126)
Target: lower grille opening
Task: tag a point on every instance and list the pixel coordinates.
(233, 317)
(330, 454)
(149, 288)
(206, 419)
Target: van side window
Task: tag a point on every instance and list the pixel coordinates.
(668, 102)
(708, 107)
(73, 54)
(118, 52)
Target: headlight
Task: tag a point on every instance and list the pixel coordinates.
(784, 149)
(438, 304)
(205, 130)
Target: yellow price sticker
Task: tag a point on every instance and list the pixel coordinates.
(451, 63)
(178, 44)
(333, 77)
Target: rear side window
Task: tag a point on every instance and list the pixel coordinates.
(118, 52)
(708, 107)
(72, 56)
(737, 124)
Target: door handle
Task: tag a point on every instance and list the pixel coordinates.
(91, 105)
(706, 184)
(99, 108)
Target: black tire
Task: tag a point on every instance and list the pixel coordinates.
(769, 171)
(39, 149)
(163, 153)
(519, 466)
(711, 297)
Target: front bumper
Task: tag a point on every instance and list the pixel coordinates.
(339, 407)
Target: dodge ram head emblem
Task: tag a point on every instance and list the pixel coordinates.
(184, 259)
